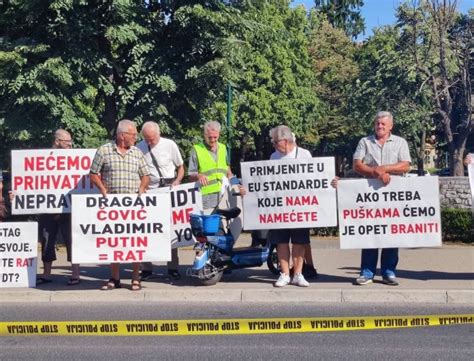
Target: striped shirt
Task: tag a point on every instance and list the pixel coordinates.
(121, 173)
(394, 150)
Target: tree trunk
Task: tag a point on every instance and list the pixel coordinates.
(420, 156)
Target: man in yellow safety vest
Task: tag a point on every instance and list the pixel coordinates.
(208, 164)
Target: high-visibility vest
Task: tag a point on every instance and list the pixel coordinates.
(215, 171)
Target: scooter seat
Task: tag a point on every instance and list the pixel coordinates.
(229, 213)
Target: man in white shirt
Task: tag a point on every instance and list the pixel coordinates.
(167, 169)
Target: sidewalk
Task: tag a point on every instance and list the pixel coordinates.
(426, 275)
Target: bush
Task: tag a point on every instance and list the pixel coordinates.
(457, 224)
(326, 232)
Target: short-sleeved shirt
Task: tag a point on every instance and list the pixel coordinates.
(167, 156)
(121, 173)
(394, 150)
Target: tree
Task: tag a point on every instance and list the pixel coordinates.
(267, 62)
(83, 65)
(388, 81)
(343, 14)
(439, 41)
(39, 88)
(336, 75)
(76, 65)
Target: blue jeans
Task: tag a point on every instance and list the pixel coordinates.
(388, 262)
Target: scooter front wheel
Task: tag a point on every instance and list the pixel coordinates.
(272, 260)
(209, 275)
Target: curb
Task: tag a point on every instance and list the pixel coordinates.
(191, 295)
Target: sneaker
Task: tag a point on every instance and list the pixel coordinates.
(283, 280)
(390, 280)
(146, 275)
(309, 271)
(363, 280)
(299, 280)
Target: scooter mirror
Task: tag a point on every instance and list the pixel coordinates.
(234, 181)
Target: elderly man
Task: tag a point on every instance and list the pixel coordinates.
(380, 156)
(49, 225)
(285, 148)
(208, 164)
(120, 167)
(166, 169)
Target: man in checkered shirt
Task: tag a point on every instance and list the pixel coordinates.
(120, 167)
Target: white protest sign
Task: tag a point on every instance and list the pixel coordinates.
(289, 193)
(405, 213)
(121, 228)
(470, 171)
(185, 199)
(18, 252)
(44, 179)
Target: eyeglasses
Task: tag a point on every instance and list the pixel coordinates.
(275, 142)
(64, 140)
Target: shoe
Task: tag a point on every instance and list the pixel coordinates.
(299, 280)
(174, 274)
(282, 281)
(136, 285)
(146, 275)
(73, 281)
(42, 281)
(309, 271)
(111, 284)
(363, 280)
(391, 281)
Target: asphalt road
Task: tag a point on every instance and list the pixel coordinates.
(426, 343)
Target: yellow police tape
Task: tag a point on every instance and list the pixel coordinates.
(225, 326)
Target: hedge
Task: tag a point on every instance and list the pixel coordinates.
(457, 224)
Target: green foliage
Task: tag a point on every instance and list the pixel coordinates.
(270, 70)
(326, 232)
(438, 42)
(336, 73)
(457, 225)
(84, 65)
(389, 81)
(343, 14)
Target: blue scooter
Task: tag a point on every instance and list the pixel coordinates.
(216, 252)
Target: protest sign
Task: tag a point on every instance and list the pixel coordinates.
(121, 228)
(44, 179)
(404, 213)
(289, 193)
(470, 171)
(185, 199)
(18, 252)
